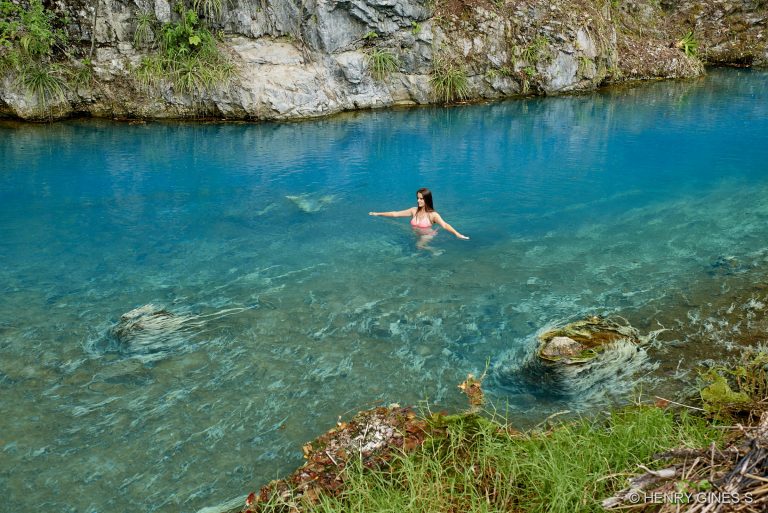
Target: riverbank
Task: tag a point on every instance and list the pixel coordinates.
(654, 455)
(249, 61)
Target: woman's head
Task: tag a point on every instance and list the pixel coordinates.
(424, 199)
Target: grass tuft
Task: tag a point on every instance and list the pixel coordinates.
(688, 44)
(449, 81)
(145, 24)
(44, 81)
(382, 63)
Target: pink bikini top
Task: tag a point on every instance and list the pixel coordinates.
(425, 224)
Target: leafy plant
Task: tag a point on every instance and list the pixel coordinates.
(37, 35)
(188, 57)
(526, 74)
(28, 38)
(738, 389)
(145, 23)
(688, 44)
(211, 9)
(369, 36)
(584, 64)
(537, 50)
(44, 81)
(501, 71)
(449, 81)
(81, 73)
(415, 28)
(184, 37)
(381, 63)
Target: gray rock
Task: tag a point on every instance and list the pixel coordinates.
(562, 73)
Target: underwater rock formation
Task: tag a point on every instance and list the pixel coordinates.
(581, 362)
(149, 331)
(581, 341)
(311, 203)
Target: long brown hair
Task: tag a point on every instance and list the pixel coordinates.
(427, 195)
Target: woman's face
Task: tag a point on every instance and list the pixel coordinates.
(419, 200)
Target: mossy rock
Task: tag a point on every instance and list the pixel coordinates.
(582, 341)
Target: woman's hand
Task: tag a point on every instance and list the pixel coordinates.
(373, 213)
(462, 237)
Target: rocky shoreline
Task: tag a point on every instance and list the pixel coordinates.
(315, 58)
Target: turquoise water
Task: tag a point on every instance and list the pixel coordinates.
(296, 307)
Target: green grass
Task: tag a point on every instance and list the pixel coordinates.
(688, 44)
(144, 34)
(81, 74)
(381, 63)
(44, 81)
(211, 9)
(449, 82)
(537, 50)
(477, 465)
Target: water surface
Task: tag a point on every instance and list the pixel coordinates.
(650, 203)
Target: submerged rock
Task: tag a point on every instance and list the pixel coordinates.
(311, 203)
(583, 363)
(150, 330)
(582, 341)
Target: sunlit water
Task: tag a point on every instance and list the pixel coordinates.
(649, 203)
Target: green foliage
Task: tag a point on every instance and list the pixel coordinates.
(502, 71)
(211, 9)
(538, 49)
(382, 63)
(43, 80)
(371, 35)
(737, 390)
(688, 44)
(415, 28)
(81, 73)
(145, 29)
(585, 63)
(188, 57)
(471, 463)
(38, 35)
(449, 81)
(28, 40)
(31, 30)
(185, 37)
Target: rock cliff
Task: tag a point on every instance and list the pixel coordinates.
(305, 58)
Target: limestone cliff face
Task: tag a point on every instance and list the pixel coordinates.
(307, 58)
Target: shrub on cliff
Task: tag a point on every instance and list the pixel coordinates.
(29, 36)
(184, 53)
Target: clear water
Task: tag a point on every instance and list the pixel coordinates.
(650, 203)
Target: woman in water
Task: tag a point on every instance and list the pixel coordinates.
(423, 216)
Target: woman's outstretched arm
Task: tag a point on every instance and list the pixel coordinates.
(399, 213)
(439, 220)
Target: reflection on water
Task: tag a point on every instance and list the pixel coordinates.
(294, 307)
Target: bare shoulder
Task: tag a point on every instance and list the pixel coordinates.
(434, 216)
